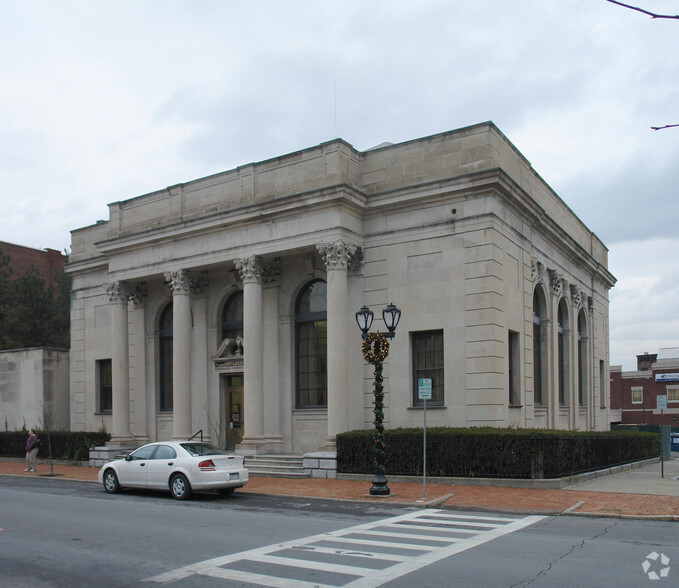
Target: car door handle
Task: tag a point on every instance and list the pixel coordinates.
(170, 463)
(142, 465)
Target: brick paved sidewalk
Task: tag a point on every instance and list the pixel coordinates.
(498, 499)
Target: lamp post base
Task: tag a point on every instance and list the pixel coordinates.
(379, 487)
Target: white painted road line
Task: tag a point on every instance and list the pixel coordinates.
(430, 539)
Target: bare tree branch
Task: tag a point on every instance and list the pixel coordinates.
(651, 14)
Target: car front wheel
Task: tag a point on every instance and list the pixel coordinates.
(180, 487)
(111, 484)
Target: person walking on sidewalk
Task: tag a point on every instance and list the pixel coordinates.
(31, 451)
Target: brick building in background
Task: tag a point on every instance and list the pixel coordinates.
(34, 381)
(48, 261)
(634, 394)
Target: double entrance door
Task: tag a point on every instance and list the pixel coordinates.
(233, 390)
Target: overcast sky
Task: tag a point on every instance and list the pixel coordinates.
(104, 101)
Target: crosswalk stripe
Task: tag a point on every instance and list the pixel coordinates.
(431, 540)
(449, 524)
(313, 565)
(371, 555)
(374, 543)
(381, 533)
(261, 579)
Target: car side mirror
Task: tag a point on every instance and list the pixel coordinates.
(128, 457)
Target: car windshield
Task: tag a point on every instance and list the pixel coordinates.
(202, 449)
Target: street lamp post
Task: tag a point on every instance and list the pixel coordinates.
(375, 351)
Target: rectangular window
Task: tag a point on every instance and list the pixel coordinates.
(104, 376)
(514, 358)
(672, 393)
(312, 369)
(427, 348)
(637, 394)
(602, 384)
(166, 375)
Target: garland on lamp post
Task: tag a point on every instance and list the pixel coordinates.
(375, 351)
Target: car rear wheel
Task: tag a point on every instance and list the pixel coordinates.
(111, 484)
(180, 487)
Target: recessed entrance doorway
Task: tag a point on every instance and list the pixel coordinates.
(234, 410)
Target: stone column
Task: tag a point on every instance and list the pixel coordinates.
(120, 364)
(181, 354)
(137, 294)
(253, 345)
(199, 352)
(337, 257)
(271, 371)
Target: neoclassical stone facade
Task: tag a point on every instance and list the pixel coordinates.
(226, 304)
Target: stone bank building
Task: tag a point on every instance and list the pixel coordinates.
(226, 304)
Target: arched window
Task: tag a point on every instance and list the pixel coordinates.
(232, 316)
(311, 335)
(165, 353)
(539, 306)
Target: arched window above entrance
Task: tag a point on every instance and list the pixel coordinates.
(232, 316)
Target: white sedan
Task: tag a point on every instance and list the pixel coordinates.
(178, 467)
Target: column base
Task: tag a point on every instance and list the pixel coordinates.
(330, 444)
(122, 441)
(252, 445)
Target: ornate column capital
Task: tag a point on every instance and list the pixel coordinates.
(250, 268)
(185, 281)
(198, 282)
(340, 255)
(558, 283)
(270, 270)
(117, 292)
(577, 297)
(178, 281)
(537, 270)
(137, 293)
(258, 269)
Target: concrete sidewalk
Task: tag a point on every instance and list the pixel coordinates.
(637, 493)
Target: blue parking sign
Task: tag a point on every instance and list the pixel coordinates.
(424, 389)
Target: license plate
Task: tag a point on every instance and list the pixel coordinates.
(233, 476)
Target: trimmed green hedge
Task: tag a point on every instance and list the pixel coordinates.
(495, 453)
(65, 445)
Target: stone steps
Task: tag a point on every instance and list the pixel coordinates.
(276, 466)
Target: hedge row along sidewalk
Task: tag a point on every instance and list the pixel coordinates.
(572, 501)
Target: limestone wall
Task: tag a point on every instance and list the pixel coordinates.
(34, 388)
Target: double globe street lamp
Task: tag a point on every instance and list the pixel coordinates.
(375, 351)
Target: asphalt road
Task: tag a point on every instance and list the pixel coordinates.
(62, 533)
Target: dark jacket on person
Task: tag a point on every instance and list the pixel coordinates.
(31, 443)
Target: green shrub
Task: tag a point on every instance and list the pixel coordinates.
(64, 445)
(488, 452)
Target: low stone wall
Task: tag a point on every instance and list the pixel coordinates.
(321, 464)
(101, 455)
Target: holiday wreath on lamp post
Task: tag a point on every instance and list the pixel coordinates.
(375, 351)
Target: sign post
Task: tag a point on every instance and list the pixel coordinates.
(661, 405)
(424, 394)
